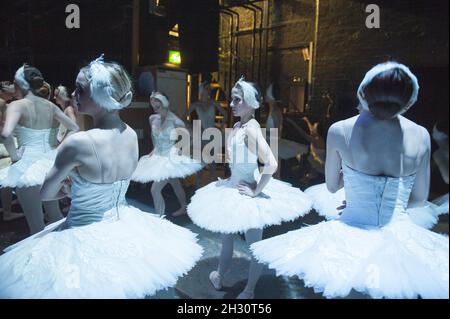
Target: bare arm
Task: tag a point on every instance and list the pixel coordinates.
(65, 120)
(442, 164)
(191, 110)
(178, 122)
(257, 144)
(66, 161)
(333, 163)
(421, 188)
(70, 113)
(13, 115)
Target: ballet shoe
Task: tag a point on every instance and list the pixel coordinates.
(12, 216)
(246, 295)
(216, 280)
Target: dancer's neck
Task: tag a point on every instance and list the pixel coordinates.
(247, 118)
(108, 120)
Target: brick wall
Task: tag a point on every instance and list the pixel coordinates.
(412, 32)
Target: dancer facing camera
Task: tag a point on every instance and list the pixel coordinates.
(248, 201)
(165, 165)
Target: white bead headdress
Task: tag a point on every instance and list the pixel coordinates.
(102, 91)
(250, 93)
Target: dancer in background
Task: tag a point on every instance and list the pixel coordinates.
(62, 98)
(104, 248)
(6, 96)
(440, 157)
(165, 165)
(31, 118)
(286, 149)
(206, 109)
(248, 201)
(374, 247)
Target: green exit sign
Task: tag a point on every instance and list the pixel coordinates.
(175, 57)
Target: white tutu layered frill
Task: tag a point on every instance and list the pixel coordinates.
(38, 157)
(132, 257)
(219, 207)
(400, 260)
(156, 168)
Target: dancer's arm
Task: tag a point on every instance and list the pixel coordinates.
(442, 164)
(420, 190)
(67, 159)
(192, 109)
(258, 145)
(333, 163)
(70, 112)
(65, 120)
(13, 114)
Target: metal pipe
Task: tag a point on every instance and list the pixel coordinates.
(230, 67)
(236, 38)
(266, 53)
(260, 39)
(314, 55)
(253, 39)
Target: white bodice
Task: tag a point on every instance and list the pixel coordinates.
(243, 162)
(374, 200)
(38, 141)
(162, 143)
(90, 201)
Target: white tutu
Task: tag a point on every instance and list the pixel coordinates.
(156, 168)
(130, 258)
(38, 157)
(219, 207)
(400, 260)
(326, 203)
(29, 171)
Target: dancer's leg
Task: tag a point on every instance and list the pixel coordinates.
(226, 257)
(252, 236)
(158, 199)
(181, 196)
(30, 200)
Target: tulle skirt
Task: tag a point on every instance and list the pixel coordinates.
(400, 260)
(29, 171)
(156, 168)
(219, 207)
(132, 257)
